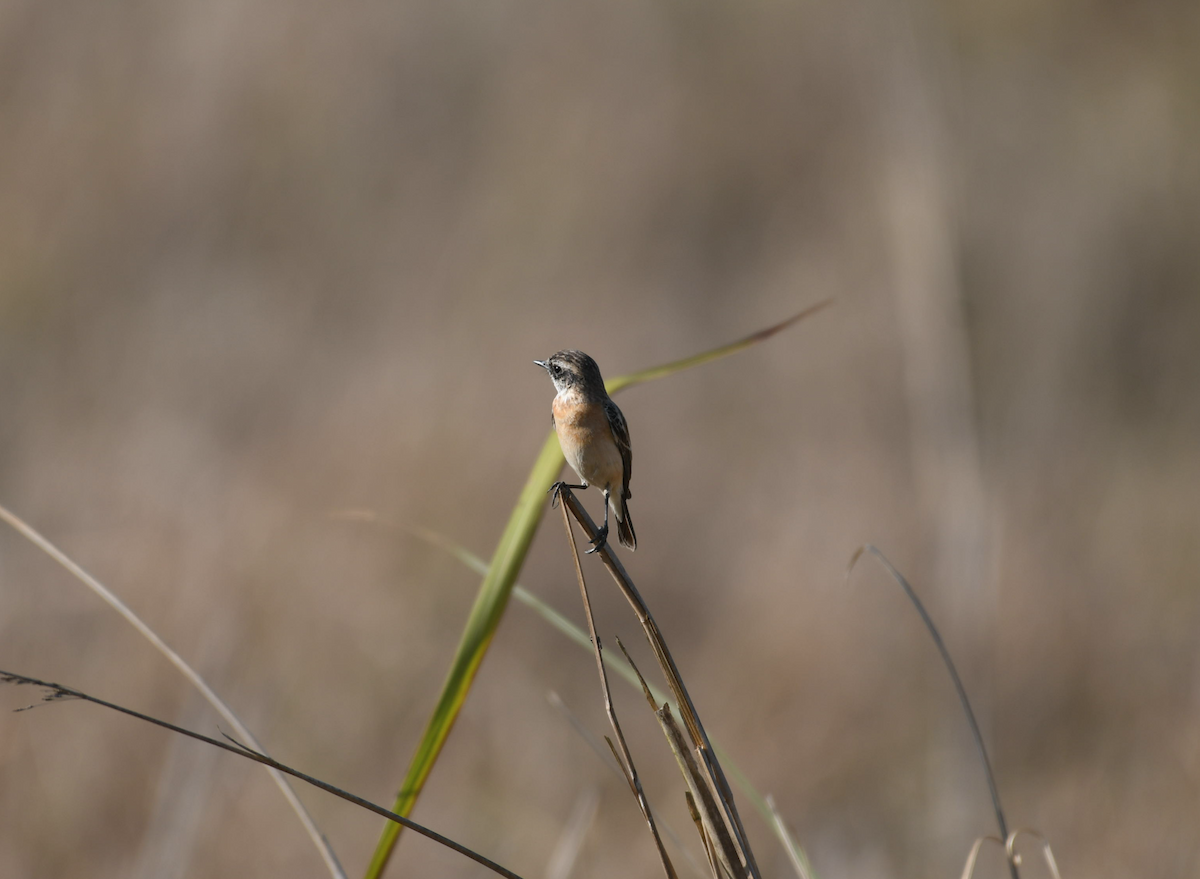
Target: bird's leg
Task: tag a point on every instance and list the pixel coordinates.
(556, 490)
(602, 536)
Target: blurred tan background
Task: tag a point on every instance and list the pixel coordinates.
(260, 261)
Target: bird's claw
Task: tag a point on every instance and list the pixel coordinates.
(598, 541)
(556, 490)
(556, 493)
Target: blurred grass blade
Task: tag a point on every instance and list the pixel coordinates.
(795, 854)
(190, 674)
(498, 582)
(1010, 848)
(973, 855)
(675, 366)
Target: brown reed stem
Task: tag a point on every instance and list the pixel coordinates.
(662, 653)
(625, 759)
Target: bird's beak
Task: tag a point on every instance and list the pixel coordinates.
(542, 364)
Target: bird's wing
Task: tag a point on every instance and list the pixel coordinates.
(620, 432)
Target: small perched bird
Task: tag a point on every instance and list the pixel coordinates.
(593, 435)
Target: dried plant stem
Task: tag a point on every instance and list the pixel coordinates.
(193, 677)
(1010, 852)
(715, 833)
(662, 653)
(958, 687)
(709, 851)
(57, 693)
(973, 855)
(624, 759)
(606, 757)
(1010, 848)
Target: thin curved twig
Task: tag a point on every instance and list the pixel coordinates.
(958, 684)
(973, 855)
(1047, 853)
(58, 692)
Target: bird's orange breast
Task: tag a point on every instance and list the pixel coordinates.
(587, 440)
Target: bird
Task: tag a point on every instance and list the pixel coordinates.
(594, 437)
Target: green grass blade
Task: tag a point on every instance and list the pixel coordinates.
(481, 626)
(675, 366)
(498, 583)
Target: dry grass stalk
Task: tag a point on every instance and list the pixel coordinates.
(1010, 852)
(698, 737)
(959, 689)
(713, 832)
(709, 851)
(610, 763)
(57, 693)
(973, 855)
(624, 759)
(1015, 858)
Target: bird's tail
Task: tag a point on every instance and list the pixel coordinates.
(624, 524)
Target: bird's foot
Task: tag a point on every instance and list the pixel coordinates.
(598, 541)
(556, 491)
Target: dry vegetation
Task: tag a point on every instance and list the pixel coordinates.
(264, 260)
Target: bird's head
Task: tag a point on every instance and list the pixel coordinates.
(573, 369)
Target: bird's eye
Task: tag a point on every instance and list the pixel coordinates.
(555, 369)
